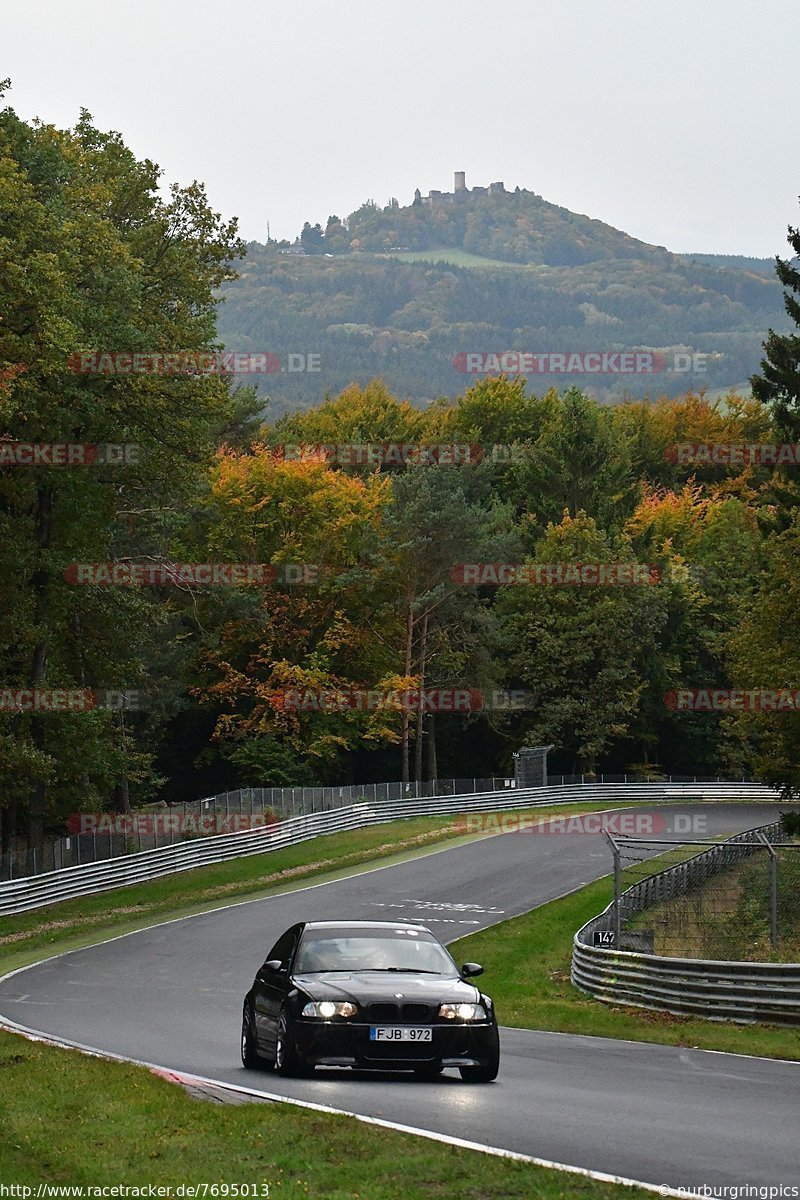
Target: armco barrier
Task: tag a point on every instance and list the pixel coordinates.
(31, 892)
(716, 990)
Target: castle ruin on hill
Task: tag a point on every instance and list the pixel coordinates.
(460, 192)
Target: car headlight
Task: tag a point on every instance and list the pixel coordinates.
(329, 1008)
(463, 1012)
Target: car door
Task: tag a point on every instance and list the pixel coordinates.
(272, 985)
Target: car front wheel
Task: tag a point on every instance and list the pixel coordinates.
(487, 1071)
(287, 1060)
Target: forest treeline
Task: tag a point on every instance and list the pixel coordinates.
(367, 590)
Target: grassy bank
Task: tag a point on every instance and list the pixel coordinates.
(74, 1120)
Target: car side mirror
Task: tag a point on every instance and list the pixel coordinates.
(274, 964)
(470, 969)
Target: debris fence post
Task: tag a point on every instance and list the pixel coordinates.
(773, 892)
(617, 887)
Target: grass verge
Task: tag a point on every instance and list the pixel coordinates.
(527, 961)
(78, 1121)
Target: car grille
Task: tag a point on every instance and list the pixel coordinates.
(401, 1012)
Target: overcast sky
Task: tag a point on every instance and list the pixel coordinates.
(675, 120)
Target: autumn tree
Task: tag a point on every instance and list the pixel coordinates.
(654, 429)
(763, 656)
(707, 546)
(438, 519)
(327, 631)
(368, 415)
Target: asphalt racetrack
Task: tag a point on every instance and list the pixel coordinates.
(172, 996)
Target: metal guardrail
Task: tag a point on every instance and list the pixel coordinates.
(713, 989)
(24, 895)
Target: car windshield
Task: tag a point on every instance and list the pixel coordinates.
(394, 950)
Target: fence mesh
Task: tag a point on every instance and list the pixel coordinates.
(738, 900)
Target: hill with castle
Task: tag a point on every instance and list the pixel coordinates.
(507, 226)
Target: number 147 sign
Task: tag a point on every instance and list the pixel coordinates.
(604, 937)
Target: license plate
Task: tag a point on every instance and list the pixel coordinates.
(400, 1033)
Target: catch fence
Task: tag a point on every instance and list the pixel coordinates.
(714, 932)
(96, 837)
(735, 900)
(21, 895)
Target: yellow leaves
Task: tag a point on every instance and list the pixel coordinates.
(663, 516)
(370, 414)
(304, 639)
(271, 509)
(694, 418)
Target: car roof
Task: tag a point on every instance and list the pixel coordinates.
(365, 924)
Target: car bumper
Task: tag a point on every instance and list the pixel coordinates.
(348, 1044)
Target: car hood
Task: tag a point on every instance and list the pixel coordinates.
(368, 987)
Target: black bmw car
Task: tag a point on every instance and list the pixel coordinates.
(368, 994)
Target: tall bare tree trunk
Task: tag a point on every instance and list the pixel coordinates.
(77, 633)
(122, 800)
(423, 656)
(8, 826)
(406, 714)
(432, 770)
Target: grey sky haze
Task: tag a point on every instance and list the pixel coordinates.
(675, 120)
